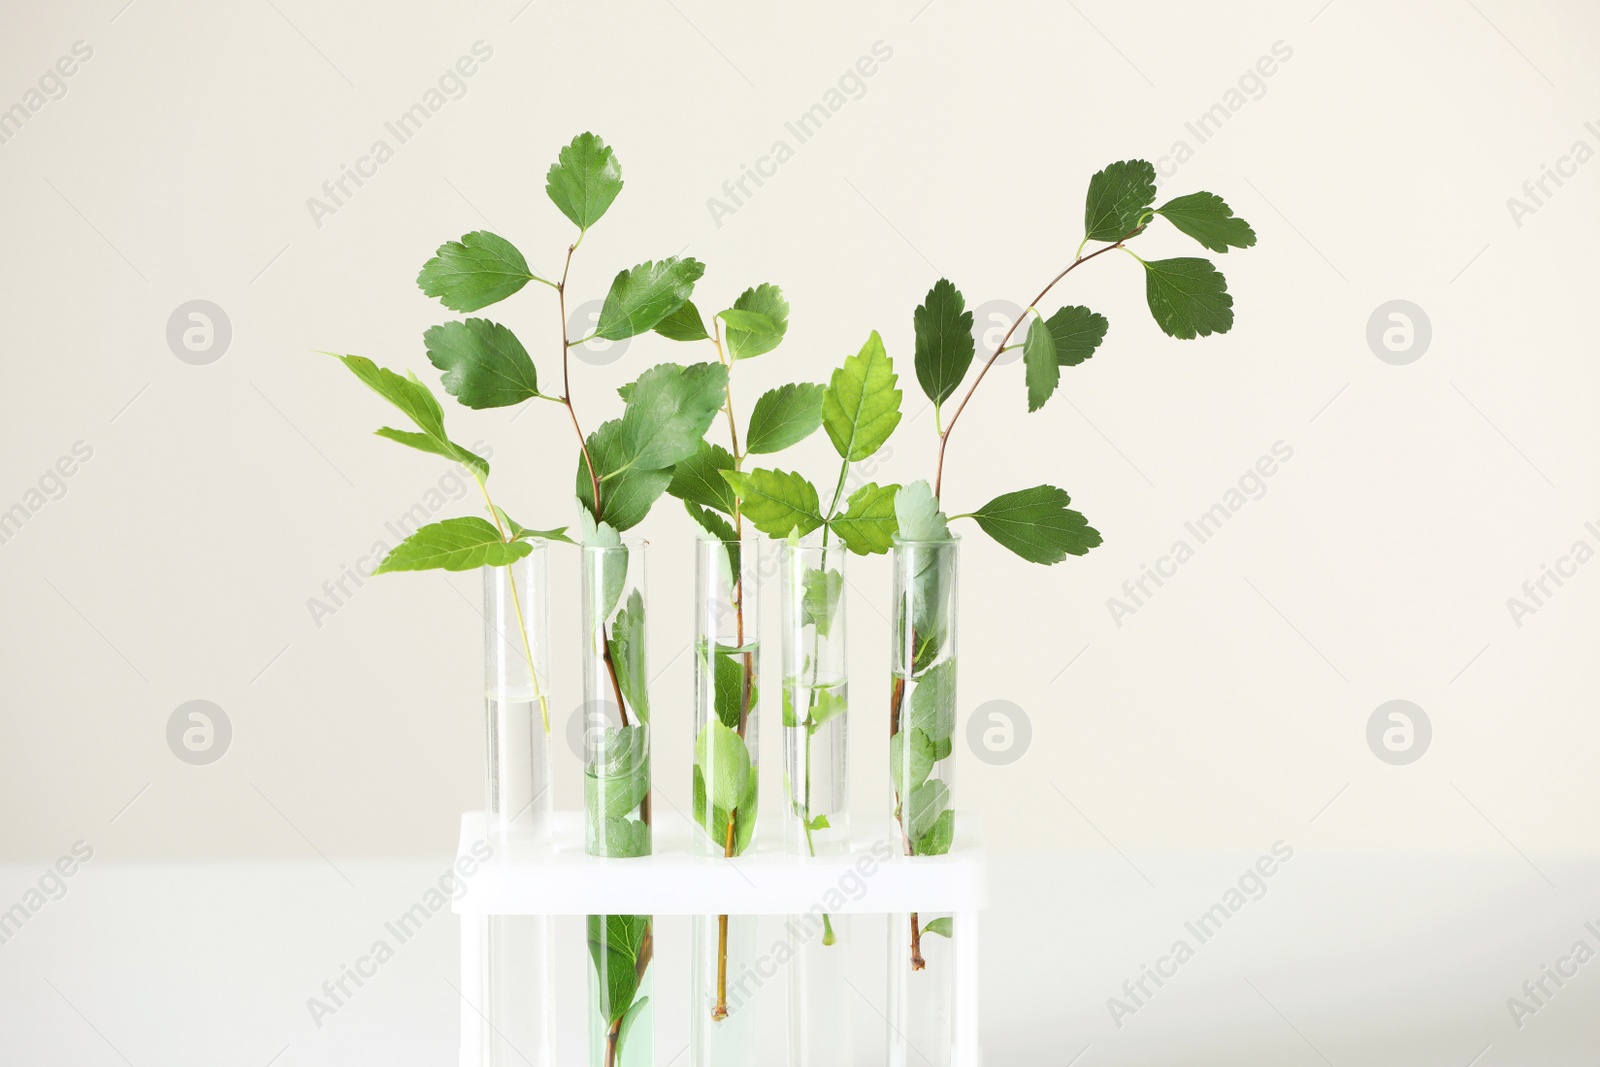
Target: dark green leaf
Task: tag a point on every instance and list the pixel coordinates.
(484, 364)
(1188, 297)
(746, 337)
(777, 502)
(683, 325)
(584, 180)
(719, 529)
(698, 479)
(868, 524)
(728, 677)
(642, 297)
(628, 491)
(1077, 332)
(1039, 359)
(784, 416)
(1209, 220)
(936, 842)
(944, 341)
(460, 544)
(480, 269)
(627, 655)
(933, 702)
(420, 406)
(909, 761)
(670, 408)
(1037, 525)
(861, 407)
(1118, 197)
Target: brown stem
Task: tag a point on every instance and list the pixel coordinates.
(944, 435)
(917, 962)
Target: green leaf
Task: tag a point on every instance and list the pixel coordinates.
(628, 1020)
(1039, 358)
(462, 544)
(419, 405)
(626, 838)
(1188, 297)
(480, 269)
(819, 598)
(784, 416)
(1077, 332)
(745, 336)
(938, 839)
(719, 529)
(615, 943)
(484, 364)
(1118, 197)
(861, 407)
(724, 762)
(826, 705)
(622, 934)
(584, 180)
(777, 502)
(628, 491)
(627, 654)
(944, 925)
(642, 297)
(670, 408)
(1209, 220)
(819, 823)
(1037, 525)
(520, 532)
(928, 801)
(624, 778)
(909, 761)
(728, 680)
(933, 702)
(613, 565)
(744, 816)
(917, 512)
(868, 524)
(684, 324)
(944, 341)
(699, 480)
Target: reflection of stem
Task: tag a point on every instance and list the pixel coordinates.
(917, 962)
(614, 1032)
(719, 1010)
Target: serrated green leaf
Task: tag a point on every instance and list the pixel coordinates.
(1118, 197)
(777, 502)
(684, 324)
(910, 761)
(765, 300)
(869, 523)
(1039, 359)
(750, 322)
(724, 762)
(819, 598)
(917, 512)
(719, 529)
(584, 180)
(419, 405)
(1037, 525)
(1208, 219)
(1077, 332)
(728, 679)
(944, 925)
(944, 341)
(484, 364)
(861, 406)
(641, 297)
(1188, 297)
(627, 492)
(670, 408)
(462, 544)
(936, 842)
(481, 269)
(928, 801)
(933, 702)
(698, 479)
(627, 647)
(520, 532)
(784, 416)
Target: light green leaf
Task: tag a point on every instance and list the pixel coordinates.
(1188, 297)
(943, 926)
(944, 341)
(684, 324)
(777, 502)
(1209, 220)
(744, 816)
(819, 598)
(861, 407)
(1118, 197)
(627, 655)
(626, 1028)
(868, 524)
(917, 511)
(520, 532)
(933, 702)
(937, 841)
(584, 180)
(819, 823)
(909, 761)
(642, 297)
(627, 492)
(728, 680)
(719, 529)
(698, 479)
(461, 544)
(624, 780)
(1077, 332)
(626, 838)
(480, 269)
(746, 338)
(784, 416)
(484, 364)
(928, 802)
(826, 705)
(1037, 525)
(418, 404)
(1039, 358)
(670, 408)
(723, 760)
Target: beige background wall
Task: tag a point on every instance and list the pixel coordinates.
(1228, 712)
